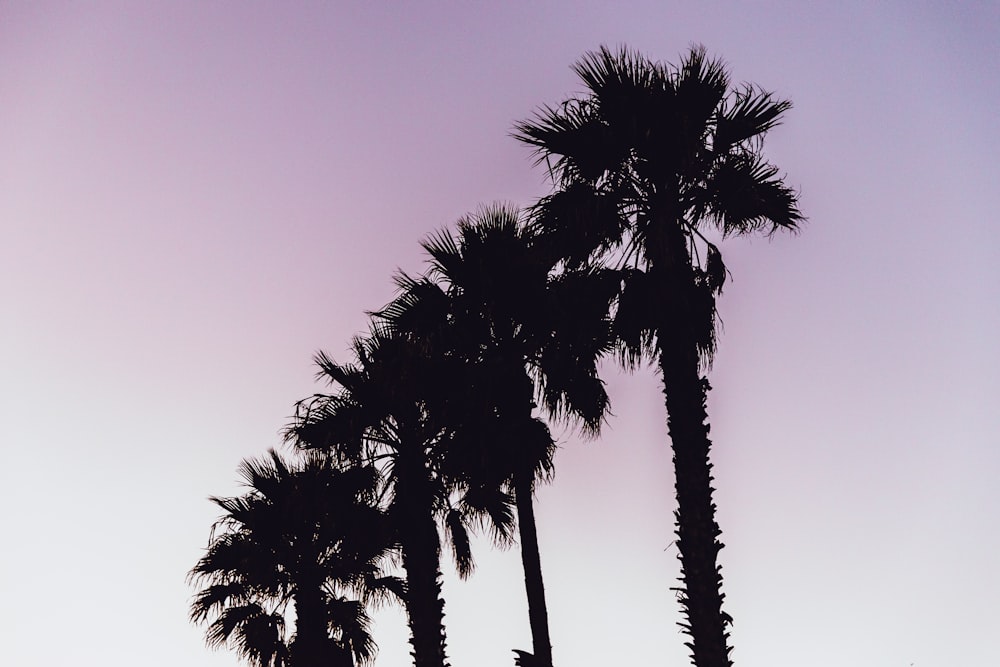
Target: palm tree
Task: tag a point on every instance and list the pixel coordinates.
(303, 535)
(391, 410)
(645, 162)
(492, 302)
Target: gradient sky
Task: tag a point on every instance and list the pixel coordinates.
(195, 197)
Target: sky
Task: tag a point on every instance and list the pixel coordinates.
(197, 197)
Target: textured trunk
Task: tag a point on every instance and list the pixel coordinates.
(311, 643)
(424, 605)
(680, 331)
(697, 531)
(538, 615)
(421, 560)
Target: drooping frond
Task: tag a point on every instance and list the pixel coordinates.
(215, 597)
(491, 507)
(353, 629)
(256, 634)
(747, 195)
(578, 223)
(635, 322)
(381, 590)
(260, 639)
(458, 541)
(578, 305)
(715, 269)
(238, 556)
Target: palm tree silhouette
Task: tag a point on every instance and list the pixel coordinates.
(491, 301)
(392, 410)
(648, 159)
(304, 534)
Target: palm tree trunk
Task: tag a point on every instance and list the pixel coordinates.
(685, 392)
(679, 331)
(538, 616)
(424, 605)
(422, 562)
(311, 634)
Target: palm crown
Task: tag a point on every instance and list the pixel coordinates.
(305, 534)
(649, 136)
(491, 304)
(647, 160)
(395, 406)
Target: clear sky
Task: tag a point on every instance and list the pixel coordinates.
(195, 197)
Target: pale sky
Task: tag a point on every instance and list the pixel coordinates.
(196, 197)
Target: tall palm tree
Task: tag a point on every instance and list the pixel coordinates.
(491, 301)
(304, 535)
(647, 160)
(391, 410)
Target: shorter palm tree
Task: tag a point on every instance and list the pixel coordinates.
(306, 535)
(392, 408)
(493, 303)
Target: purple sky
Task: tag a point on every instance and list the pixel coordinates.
(195, 197)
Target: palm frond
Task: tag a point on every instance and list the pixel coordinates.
(458, 540)
(381, 590)
(702, 84)
(420, 309)
(260, 639)
(238, 619)
(492, 509)
(446, 257)
(352, 627)
(215, 597)
(333, 373)
(582, 144)
(577, 223)
(635, 322)
(621, 85)
(747, 195)
(751, 113)
(715, 269)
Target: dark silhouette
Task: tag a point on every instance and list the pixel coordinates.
(305, 533)
(391, 409)
(644, 162)
(492, 302)
(433, 422)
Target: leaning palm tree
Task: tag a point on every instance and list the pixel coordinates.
(646, 161)
(391, 409)
(303, 536)
(491, 302)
